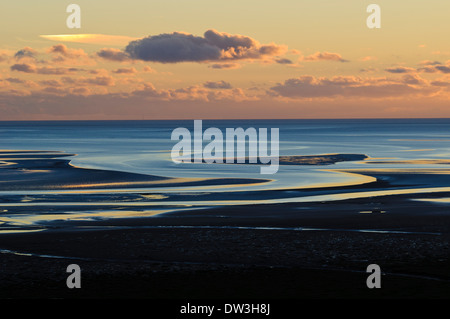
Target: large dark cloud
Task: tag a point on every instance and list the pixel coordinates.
(213, 46)
(171, 48)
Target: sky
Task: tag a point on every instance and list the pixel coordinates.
(209, 59)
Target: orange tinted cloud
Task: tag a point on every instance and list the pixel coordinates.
(30, 68)
(323, 56)
(64, 55)
(338, 87)
(115, 55)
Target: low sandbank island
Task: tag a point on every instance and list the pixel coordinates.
(145, 236)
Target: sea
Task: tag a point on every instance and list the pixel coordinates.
(144, 146)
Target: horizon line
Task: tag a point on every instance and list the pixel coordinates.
(230, 119)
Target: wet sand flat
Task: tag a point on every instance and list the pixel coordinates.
(285, 249)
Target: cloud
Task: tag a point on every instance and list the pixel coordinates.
(26, 83)
(4, 56)
(102, 39)
(26, 52)
(225, 66)
(56, 71)
(413, 79)
(368, 70)
(312, 87)
(210, 91)
(323, 56)
(443, 68)
(214, 46)
(81, 91)
(429, 62)
(125, 71)
(82, 81)
(15, 80)
(61, 54)
(30, 68)
(435, 67)
(98, 71)
(400, 69)
(115, 55)
(52, 83)
(217, 85)
(440, 83)
(66, 52)
(306, 86)
(283, 61)
(24, 67)
(368, 58)
(148, 69)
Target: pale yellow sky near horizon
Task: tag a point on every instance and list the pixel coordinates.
(332, 60)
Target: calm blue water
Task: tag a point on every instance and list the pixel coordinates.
(145, 146)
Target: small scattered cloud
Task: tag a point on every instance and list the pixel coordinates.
(26, 83)
(61, 54)
(435, 67)
(23, 67)
(284, 61)
(443, 68)
(26, 52)
(4, 56)
(66, 52)
(400, 69)
(323, 56)
(368, 70)
(148, 69)
(368, 58)
(228, 66)
(52, 83)
(429, 62)
(313, 87)
(115, 55)
(440, 83)
(30, 68)
(413, 79)
(217, 85)
(81, 81)
(125, 71)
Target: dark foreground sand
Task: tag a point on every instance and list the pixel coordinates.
(205, 263)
